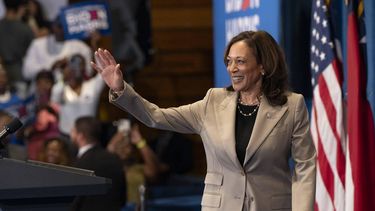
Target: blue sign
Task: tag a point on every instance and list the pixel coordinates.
(79, 20)
(234, 16)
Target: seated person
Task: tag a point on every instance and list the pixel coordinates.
(9, 100)
(55, 150)
(40, 92)
(44, 128)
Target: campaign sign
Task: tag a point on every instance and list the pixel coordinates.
(234, 16)
(79, 20)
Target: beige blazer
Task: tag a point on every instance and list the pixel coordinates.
(265, 181)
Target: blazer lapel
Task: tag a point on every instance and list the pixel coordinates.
(227, 117)
(266, 120)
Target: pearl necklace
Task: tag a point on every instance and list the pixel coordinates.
(249, 114)
(246, 114)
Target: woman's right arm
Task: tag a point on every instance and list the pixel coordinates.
(183, 119)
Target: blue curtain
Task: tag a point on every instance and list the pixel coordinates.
(370, 29)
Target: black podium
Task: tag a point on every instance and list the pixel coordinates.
(37, 186)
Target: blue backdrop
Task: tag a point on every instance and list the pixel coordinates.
(233, 16)
(370, 27)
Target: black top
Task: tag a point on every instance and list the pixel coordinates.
(244, 128)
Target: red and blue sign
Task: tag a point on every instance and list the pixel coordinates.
(234, 16)
(79, 20)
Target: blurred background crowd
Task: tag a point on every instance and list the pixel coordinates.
(169, 52)
(46, 81)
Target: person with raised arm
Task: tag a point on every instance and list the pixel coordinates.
(249, 130)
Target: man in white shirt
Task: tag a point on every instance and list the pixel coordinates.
(48, 52)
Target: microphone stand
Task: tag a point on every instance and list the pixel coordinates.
(9, 128)
(3, 150)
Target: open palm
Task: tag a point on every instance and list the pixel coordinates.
(107, 67)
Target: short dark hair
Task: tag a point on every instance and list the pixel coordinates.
(47, 108)
(14, 4)
(269, 54)
(90, 127)
(44, 74)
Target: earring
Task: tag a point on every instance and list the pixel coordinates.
(262, 73)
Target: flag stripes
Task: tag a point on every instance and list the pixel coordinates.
(327, 126)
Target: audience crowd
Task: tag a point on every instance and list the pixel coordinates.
(46, 81)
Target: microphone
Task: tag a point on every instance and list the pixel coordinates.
(11, 127)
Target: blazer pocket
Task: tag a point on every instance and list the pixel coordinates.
(213, 179)
(213, 182)
(211, 200)
(280, 202)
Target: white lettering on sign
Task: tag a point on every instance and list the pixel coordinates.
(85, 20)
(236, 25)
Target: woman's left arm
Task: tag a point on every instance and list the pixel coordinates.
(304, 156)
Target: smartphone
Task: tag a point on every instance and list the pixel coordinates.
(123, 125)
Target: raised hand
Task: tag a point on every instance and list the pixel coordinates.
(110, 71)
(135, 135)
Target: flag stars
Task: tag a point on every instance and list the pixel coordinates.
(317, 52)
(316, 68)
(324, 23)
(321, 44)
(317, 19)
(324, 40)
(322, 56)
(317, 36)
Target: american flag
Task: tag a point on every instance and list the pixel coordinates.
(327, 126)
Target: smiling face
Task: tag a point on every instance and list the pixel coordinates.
(243, 69)
(53, 152)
